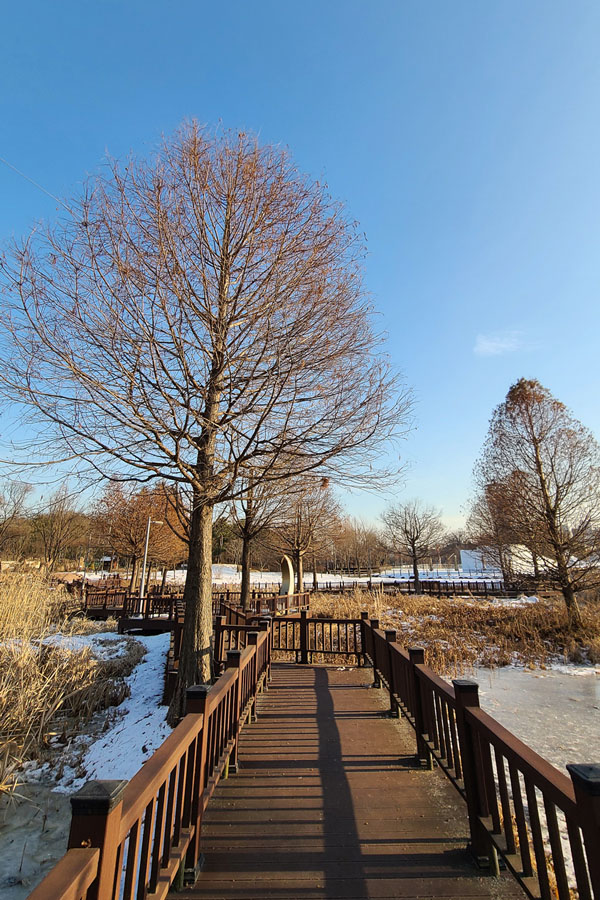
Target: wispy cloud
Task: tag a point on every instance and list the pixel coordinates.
(499, 343)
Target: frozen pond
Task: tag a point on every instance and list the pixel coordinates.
(556, 711)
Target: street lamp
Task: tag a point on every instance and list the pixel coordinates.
(143, 581)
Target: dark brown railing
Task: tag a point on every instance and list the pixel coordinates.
(260, 603)
(139, 839)
(136, 839)
(306, 636)
(119, 604)
(516, 800)
(431, 587)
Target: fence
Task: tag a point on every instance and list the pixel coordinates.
(545, 827)
(136, 839)
(430, 587)
(306, 637)
(120, 604)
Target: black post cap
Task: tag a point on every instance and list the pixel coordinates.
(586, 776)
(97, 797)
(466, 685)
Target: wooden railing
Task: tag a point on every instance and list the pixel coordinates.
(431, 587)
(545, 827)
(120, 604)
(306, 636)
(260, 603)
(136, 839)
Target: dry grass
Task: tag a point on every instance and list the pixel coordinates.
(45, 688)
(460, 633)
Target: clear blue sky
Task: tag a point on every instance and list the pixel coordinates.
(463, 136)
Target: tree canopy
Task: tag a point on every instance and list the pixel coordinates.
(546, 467)
(200, 314)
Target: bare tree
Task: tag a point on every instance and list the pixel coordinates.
(58, 525)
(12, 504)
(198, 315)
(414, 529)
(360, 546)
(548, 464)
(307, 525)
(262, 504)
(489, 526)
(123, 513)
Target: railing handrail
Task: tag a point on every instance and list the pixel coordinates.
(175, 783)
(451, 727)
(147, 780)
(71, 877)
(545, 776)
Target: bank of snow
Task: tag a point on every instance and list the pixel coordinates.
(137, 729)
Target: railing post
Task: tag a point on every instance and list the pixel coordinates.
(233, 662)
(303, 638)
(417, 658)
(390, 636)
(219, 655)
(376, 678)
(466, 693)
(197, 702)
(251, 641)
(364, 616)
(586, 783)
(265, 625)
(96, 816)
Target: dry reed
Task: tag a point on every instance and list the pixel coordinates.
(46, 686)
(459, 633)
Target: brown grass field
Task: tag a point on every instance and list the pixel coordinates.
(459, 633)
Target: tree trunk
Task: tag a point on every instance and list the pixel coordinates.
(415, 565)
(504, 568)
(164, 579)
(299, 572)
(246, 560)
(573, 611)
(314, 562)
(554, 528)
(536, 566)
(195, 658)
(134, 568)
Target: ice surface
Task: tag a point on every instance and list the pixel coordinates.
(556, 711)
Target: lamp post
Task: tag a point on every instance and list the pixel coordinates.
(151, 521)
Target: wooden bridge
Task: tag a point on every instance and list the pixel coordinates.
(314, 789)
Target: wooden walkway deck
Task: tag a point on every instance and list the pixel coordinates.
(329, 803)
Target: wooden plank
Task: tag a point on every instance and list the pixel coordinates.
(330, 802)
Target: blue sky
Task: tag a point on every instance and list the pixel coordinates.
(464, 137)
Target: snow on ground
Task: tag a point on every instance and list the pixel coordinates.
(137, 729)
(103, 646)
(140, 727)
(231, 574)
(33, 834)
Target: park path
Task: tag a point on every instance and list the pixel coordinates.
(329, 802)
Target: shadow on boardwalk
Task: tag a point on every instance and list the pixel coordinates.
(329, 803)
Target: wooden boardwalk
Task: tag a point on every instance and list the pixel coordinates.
(329, 803)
